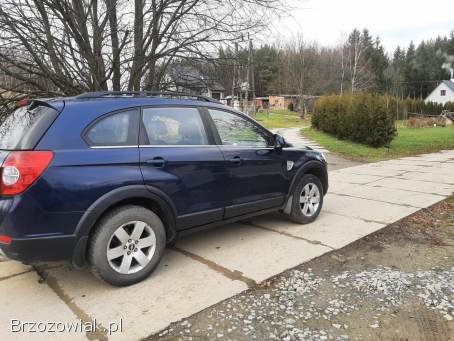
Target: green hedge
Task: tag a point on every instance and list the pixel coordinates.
(363, 118)
(412, 106)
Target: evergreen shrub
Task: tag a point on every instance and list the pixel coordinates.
(362, 117)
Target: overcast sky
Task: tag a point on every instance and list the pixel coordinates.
(397, 22)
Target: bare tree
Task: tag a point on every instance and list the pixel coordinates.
(357, 62)
(342, 49)
(64, 47)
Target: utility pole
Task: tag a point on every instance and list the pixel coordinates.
(248, 80)
(235, 73)
(250, 91)
(251, 62)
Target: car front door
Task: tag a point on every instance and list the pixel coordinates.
(256, 171)
(179, 157)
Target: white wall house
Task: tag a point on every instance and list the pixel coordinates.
(443, 93)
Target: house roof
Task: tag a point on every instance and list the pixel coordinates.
(190, 77)
(450, 84)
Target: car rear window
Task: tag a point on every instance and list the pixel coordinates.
(23, 128)
(114, 129)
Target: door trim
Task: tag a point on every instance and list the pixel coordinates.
(178, 146)
(199, 218)
(259, 205)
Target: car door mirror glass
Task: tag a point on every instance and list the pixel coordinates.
(279, 141)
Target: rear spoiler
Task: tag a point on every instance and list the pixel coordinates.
(57, 105)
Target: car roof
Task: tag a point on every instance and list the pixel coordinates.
(110, 101)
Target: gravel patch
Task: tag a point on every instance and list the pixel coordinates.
(397, 283)
(283, 312)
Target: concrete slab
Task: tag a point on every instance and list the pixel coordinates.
(10, 268)
(255, 252)
(443, 168)
(381, 171)
(416, 186)
(26, 300)
(401, 162)
(365, 209)
(178, 288)
(401, 167)
(430, 177)
(391, 195)
(329, 229)
(435, 157)
(339, 186)
(357, 179)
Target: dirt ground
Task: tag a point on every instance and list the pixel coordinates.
(396, 284)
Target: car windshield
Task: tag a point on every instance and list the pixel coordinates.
(23, 128)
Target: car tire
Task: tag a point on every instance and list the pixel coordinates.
(126, 245)
(307, 200)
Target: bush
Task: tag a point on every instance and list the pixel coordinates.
(291, 107)
(403, 107)
(426, 122)
(363, 118)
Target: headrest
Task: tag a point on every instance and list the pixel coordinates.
(158, 128)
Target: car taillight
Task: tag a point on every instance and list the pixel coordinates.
(21, 169)
(5, 240)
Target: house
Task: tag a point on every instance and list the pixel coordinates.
(304, 103)
(443, 93)
(284, 101)
(262, 102)
(189, 80)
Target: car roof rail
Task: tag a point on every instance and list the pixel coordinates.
(145, 94)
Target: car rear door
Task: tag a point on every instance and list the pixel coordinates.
(178, 156)
(256, 171)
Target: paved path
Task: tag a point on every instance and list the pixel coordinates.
(209, 267)
(293, 135)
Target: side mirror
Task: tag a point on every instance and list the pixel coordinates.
(279, 141)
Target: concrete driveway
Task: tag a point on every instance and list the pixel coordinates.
(209, 267)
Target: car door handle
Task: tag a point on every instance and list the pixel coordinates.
(236, 160)
(156, 162)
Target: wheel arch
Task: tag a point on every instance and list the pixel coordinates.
(313, 167)
(140, 195)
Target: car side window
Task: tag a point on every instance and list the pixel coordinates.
(238, 131)
(174, 126)
(117, 129)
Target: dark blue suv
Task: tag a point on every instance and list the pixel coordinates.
(110, 178)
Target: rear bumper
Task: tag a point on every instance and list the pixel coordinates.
(40, 249)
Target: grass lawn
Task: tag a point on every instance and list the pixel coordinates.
(410, 141)
(281, 119)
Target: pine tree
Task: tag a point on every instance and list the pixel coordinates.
(409, 71)
(266, 69)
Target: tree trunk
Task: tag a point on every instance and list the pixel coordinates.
(113, 24)
(138, 57)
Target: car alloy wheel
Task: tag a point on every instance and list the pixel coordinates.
(310, 199)
(131, 247)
